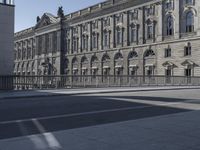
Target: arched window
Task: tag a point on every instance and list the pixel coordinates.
(132, 55)
(118, 56)
(149, 53)
(105, 58)
(190, 22)
(170, 25)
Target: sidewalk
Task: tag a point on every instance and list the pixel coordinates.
(63, 92)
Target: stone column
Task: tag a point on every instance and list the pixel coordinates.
(125, 31)
(58, 41)
(141, 32)
(90, 36)
(159, 25)
(177, 19)
(100, 38)
(71, 40)
(80, 38)
(112, 35)
(43, 44)
(37, 45)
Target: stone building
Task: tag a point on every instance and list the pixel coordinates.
(115, 37)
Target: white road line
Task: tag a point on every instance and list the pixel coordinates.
(179, 105)
(49, 137)
(38, 142)
(77, 114)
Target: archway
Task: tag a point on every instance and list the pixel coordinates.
(149, 62)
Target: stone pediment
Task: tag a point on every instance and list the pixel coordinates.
(189, 63)
(47, 19)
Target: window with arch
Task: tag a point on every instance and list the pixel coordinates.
(118, 56)
(170, 26)
(189, 22)
(149, 53)
(132, 55)
(188, 50)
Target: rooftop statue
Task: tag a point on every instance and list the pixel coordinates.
(60, 12)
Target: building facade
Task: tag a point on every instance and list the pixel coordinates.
(6, 37)
(115, 37)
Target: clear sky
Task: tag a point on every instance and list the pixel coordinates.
(26, 11)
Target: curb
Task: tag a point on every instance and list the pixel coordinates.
(96, 92)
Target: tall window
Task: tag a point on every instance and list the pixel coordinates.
(106, 39)
(133, 34)
(54, 42)
(170, 25)
(47, 43)
(190, 22)
(119, 36)
(168, 52)
(188, 50)
(85, 42)
(188, 72)
(68, 45)
(94, 40)
(150, 31)
(19, 54)
(75, 44)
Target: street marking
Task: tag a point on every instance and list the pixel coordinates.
(77, 114)
(49, 137)
(37, 140)
(179, 105)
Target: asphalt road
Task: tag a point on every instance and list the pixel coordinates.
(28, 116)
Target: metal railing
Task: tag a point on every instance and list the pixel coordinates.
(63, 81)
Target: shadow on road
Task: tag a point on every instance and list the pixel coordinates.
(69, 112)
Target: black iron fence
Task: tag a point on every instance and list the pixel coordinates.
(55, 82)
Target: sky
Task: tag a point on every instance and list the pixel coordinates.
(26, 11)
